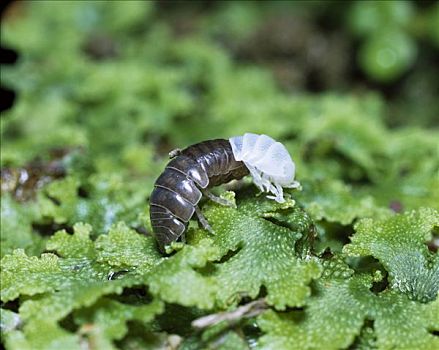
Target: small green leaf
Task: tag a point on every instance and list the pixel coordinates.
(334, 201)
(399, 243)
(122, 247)
(78, 245)
(26, 275)
(42, 334)
(16, 227)
(111, 317)
(175, 280)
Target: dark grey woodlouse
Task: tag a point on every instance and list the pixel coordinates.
(185, 179)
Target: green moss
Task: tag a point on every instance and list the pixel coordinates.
(106, 89)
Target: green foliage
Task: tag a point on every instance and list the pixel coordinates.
(340, 309)
(246, 253)
(18, 218)
(388, 29)
(367, 18)
(77, 277)
(399, 243)
(387, 56)
(335, 201)
(110, 316)
(263, 254)
(106, 89)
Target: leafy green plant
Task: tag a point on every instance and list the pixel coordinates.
(388, 30)
(105, 90)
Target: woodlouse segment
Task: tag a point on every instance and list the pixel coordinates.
(178, 190)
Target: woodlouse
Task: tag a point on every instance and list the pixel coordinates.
(193, 170)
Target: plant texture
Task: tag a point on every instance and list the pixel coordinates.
(104, 91)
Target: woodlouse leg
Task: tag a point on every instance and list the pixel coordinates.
(294, 184)
(279, 193)
(203, 220)
(218, 200)
(257, 179)
(235, 185)
(174, 153)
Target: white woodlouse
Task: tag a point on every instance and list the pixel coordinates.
(268, 161)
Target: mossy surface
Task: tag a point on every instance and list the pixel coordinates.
(106, 89)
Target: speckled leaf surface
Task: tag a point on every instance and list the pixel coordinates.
(77, 276)
(340, 308)
(104, 90)
(400, 244)
(245, 253)
(262, 254)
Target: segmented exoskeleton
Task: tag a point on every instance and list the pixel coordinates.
(187, 176)
(179, 188)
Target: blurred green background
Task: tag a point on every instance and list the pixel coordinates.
(105, 89)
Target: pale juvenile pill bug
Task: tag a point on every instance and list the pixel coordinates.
(268, 161)
(193, 170)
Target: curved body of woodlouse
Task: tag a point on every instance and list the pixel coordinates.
(179, 188)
